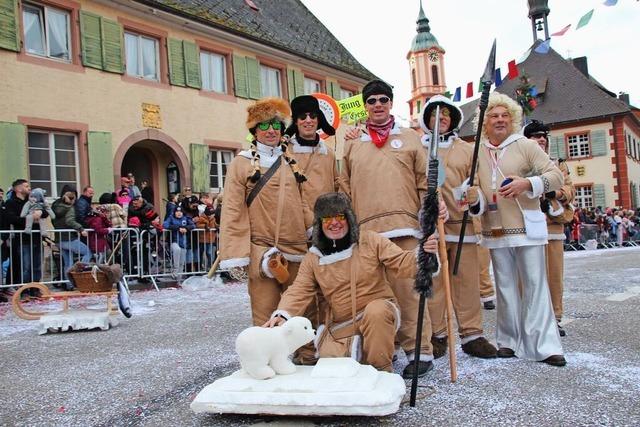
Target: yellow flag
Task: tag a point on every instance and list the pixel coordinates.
(353, 107)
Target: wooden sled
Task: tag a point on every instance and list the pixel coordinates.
(62, 296)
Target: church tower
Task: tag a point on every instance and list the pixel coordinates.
(426, 64)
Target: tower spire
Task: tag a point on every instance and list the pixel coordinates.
(422, 21)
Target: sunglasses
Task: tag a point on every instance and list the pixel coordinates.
(303, 116)
(383, 100)
(443, 112)
(326, 220)
(276, 125)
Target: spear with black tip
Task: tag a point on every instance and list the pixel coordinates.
(427, 262)
(487, 81)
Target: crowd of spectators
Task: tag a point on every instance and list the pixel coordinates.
(611, 225)
(87, 229)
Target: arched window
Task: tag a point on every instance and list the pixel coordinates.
(434, 75)
(414, 79)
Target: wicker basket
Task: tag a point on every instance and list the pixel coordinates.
(84, 281)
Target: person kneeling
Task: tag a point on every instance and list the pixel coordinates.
(349, 270)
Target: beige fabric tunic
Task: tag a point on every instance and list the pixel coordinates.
(386, 185)
(243, 227)
(332, 274)
(319, 166)
(516, 156)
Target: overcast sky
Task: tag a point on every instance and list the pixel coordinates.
(379, 35)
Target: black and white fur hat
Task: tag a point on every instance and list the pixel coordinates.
(331, 204)
(456, 113)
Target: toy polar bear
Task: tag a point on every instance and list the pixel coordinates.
(264, 352)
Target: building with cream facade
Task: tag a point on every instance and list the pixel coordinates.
(93, 90)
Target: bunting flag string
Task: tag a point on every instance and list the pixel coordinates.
(542, 48)
(561, 32)
(585, 19)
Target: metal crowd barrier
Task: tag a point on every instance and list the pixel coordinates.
(170, 254)
(45, 256)
(592, 237)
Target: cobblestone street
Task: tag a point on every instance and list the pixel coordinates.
(147, 369)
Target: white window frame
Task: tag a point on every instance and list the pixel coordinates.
(44, 11)
(52, 160)
(140, 71)
(207, 56)
(579, 145)
(584, 196)
(267, 90)
(217, 153)
(312, 86)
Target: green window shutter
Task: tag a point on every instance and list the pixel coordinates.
(334, 90)
(13, 153)
(100, 161)
(112, 46)
(199, 168)
(599, 198)
(91, 39)
(9, 37)
(295, 82)
(598, 143)
(556, 147)
(291, 86)
(253, 77)
(177, 74)
(240, 76)
(299, 81)
(192, 64)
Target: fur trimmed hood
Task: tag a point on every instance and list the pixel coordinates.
(330, 204)
(456, 114)
(266, 109)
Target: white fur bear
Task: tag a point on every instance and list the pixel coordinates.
(264, 352)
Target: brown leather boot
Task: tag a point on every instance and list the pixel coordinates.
(481, 348)
(555, 360)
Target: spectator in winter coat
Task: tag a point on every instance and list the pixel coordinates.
(146, 191)
(134, 191)
(144, 211)
(180, 225)
(113, 211)
(69, 243)
(97, 239)
(26, 249)
(83, 205)
(207, 240)
(36, 202)
(123, 198)
(172, 204)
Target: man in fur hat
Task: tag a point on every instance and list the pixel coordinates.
(557, 205)
(349, 269)
(384, 173)
(262, 215)
(513, 172)
(316, 160)
(456, 157)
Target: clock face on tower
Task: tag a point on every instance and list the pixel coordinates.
(433, 56)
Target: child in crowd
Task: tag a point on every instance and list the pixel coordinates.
(36, 202)
(180, 225)
(97, 239)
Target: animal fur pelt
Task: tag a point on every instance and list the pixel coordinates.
(428, 263)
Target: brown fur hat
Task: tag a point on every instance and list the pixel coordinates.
(330, 204)
(266, 109)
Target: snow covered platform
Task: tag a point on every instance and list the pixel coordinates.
(335, 386)
(76, 320)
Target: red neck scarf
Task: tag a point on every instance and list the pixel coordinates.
(380, 133)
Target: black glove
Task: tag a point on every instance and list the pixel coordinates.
(545, 205)
(550, 195)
